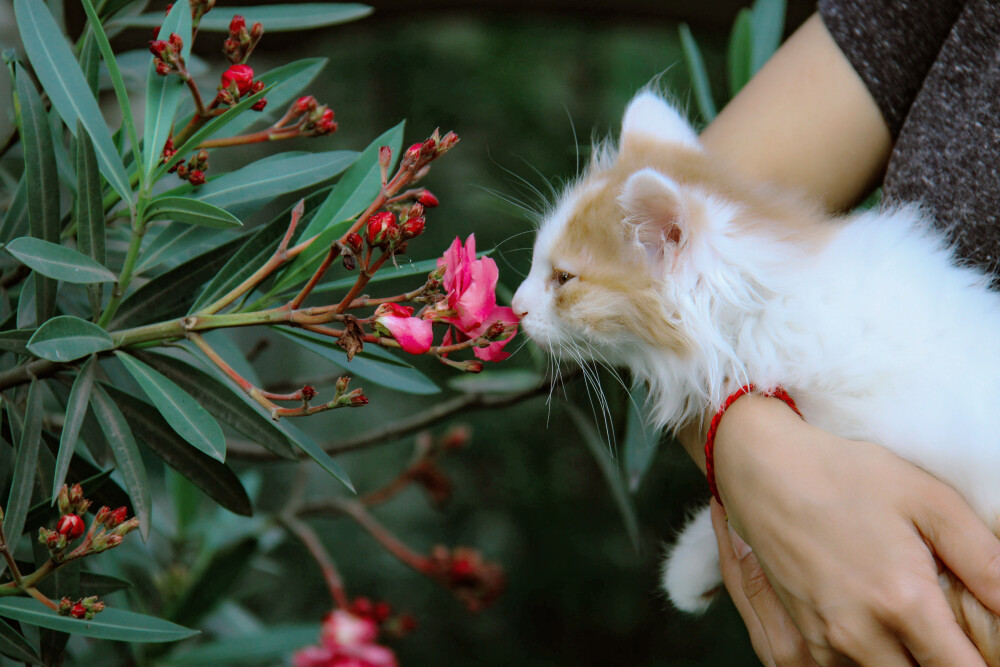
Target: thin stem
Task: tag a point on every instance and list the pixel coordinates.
(199, 106)
(8, 556)
(125, 277)
(363, 277)
(268, 134)
(244, 384)
(331, 255)
(37, 594)
(322, 557)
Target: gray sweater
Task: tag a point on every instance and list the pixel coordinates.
(933, 67)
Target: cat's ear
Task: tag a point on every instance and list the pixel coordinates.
(649, 116)
(653, 209)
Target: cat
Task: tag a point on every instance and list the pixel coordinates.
(660, 259)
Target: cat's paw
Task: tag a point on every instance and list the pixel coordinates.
(691, 574)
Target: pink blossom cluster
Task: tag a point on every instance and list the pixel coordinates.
(346, 640)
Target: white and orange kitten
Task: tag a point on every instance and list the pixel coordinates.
(661, 260)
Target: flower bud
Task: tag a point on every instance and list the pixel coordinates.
(113, 541)
(176, 43)
(257, 87)
(71, 526)
(256, 31)
(162, 68)
(201, 159)
(349, 262)
(102, 515)
(384, 157)
(241, 75)
(78, 611)
(412, 154)
(381, 611)
(413, 227)
(379, 226)
(75, 494)
(158, 47)
(196, 177)
(427, 199)
(308, 393)
(341, 385)
(354, 242)
(447, 142)
(325, 124)
(182, 170)
(304, 104)
(456, 438)
(355, 398)
(231, 49)
(238, 23)
(64, 606)
(117, 517)
(156, 32)
(259, 105)
(63, 501)
(125, 528)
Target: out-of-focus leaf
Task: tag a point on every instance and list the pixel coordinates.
(163, 93)
(26, 317)
(58, 262)
(214, 478)
(126, 452)
(373, 363)
(42, 183)
(90, 227)
(192, 211)
(699, 74)
(184, 414)
(76, 410)
(603, 459)
(15, 219)
(353, 193)
(641, 440)
(316, 453)
(56, 67)
(93, 583)
(15, 646)
(187, 501)
(66, 338)
(740, 55)
(276, 18)
(117, 624)
(767, 23)
(16, 340)
(213, 582)
(174, 243)
(170, 294)
(270, 645)
(19, 499)
(223, 402)
(515, 379)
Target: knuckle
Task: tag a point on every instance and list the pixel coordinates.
(899, 601)
(844, 635)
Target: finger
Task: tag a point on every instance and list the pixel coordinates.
(881, 650)
(931, 633)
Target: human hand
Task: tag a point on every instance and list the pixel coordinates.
(847, 534)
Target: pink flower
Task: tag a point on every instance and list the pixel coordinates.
(413, 334)
(344, 628)
(472, 301)
(347, 641)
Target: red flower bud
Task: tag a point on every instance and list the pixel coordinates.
(238, 23)
(413, 227)
(158, 47)
(259, 104)
(384, 156)
(231, 48)
(182, 170)
(308, 393)
(75, 494)
(428, 199)
(162, 68)
(169, 7)
(361, 606)
(413, 152)
(428, 146)
(102, 515)
(156, 32)
(378, 227)
(71, 526)
(256, 31)
(304, 104)
(196, 177)
(357, 399)
(447, 142)
(354, 242)
(381, 611)
(117, 516)
(325, 124)
(242, 75)
(257, 87)
(176, 42)
(78, 611)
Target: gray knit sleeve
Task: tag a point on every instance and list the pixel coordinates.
(891, 44)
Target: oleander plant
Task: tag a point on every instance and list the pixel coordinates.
(127, 271)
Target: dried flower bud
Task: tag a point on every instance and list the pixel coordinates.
(112, 541)
(196, 177)
(349, 262)
(427, 199)
(200, 159)
(63, 501)
(241, 75)
(377, 230)
(341, 385)
(413, 227)
(75, 494)
(238, 23)
(259, 105)
(71, 526)
(304, 104)
(447, 142)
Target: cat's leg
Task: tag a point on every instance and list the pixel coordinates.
(691, 574)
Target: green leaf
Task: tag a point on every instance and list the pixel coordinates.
(123, 447)
(116, 624)
(276, 18)
(489, 382)
(740, 55)
(317, 454)
(90, 227)
(13, 645)
(214, 478)
(213, 582)
(767, 23)
(76, 410)
(353, 194)
(56, 67)
(116, 78)
(273, 176)
(373, 363)
(223, 403)
(614, 481)
(163, 93)
(15, 219)
(59, 262)
(170, 294)
(176, 242)
(698, 73)
(92, 583)
(182, 209)
(16, 340)
(19, 499)
(641, 439)
(66, 338)
(42, 183)
(269, 645)
(26, 317)
(184, 414)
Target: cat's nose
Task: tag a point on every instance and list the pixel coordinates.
(518, 306)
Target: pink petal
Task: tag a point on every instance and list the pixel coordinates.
(413, 334)
(313, 656)
(343, 628)
(368, 655)
(494, 351)
(479, 300)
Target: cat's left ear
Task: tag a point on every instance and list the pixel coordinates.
(653, 210)
(649, 116)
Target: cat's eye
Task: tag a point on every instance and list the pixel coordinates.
(562, 277)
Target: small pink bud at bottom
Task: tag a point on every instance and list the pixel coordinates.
(259, 105)
(197, 177)
(428, 199)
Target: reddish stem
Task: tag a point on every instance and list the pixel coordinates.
(312, 543)
(390, 542)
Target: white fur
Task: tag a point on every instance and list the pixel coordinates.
(879, 336)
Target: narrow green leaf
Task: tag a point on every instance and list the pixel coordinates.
(163, 93)
(213, 582)
(42, 182)
(698, 73)
(614, 481)
(192, 211)
(123, 447)
(93, 583)
(116, 78)
(317, 454)
(276, 18)
(184, 414)
(15, 646)
(63, 80)
(76, 410)
(187, 499)
(26, 316)
(223, 403)
(214, 478)
(177, 242)
(170, 294)
(66, 338)
(19, 499)
(15, 219)
(90, 63)
(90, 227)
(373, 363)
(116, 624)
(269, 645)
(16, 340)
(58, 262)
(491, 382)
(739, 55)
(767, 25)
(641, 439)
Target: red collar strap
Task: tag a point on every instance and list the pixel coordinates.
(777, 392)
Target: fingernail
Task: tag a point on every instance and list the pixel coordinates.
(740, 548)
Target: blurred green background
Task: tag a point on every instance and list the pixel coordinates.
(526, 86)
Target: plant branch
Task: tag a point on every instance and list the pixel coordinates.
(322, 557)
